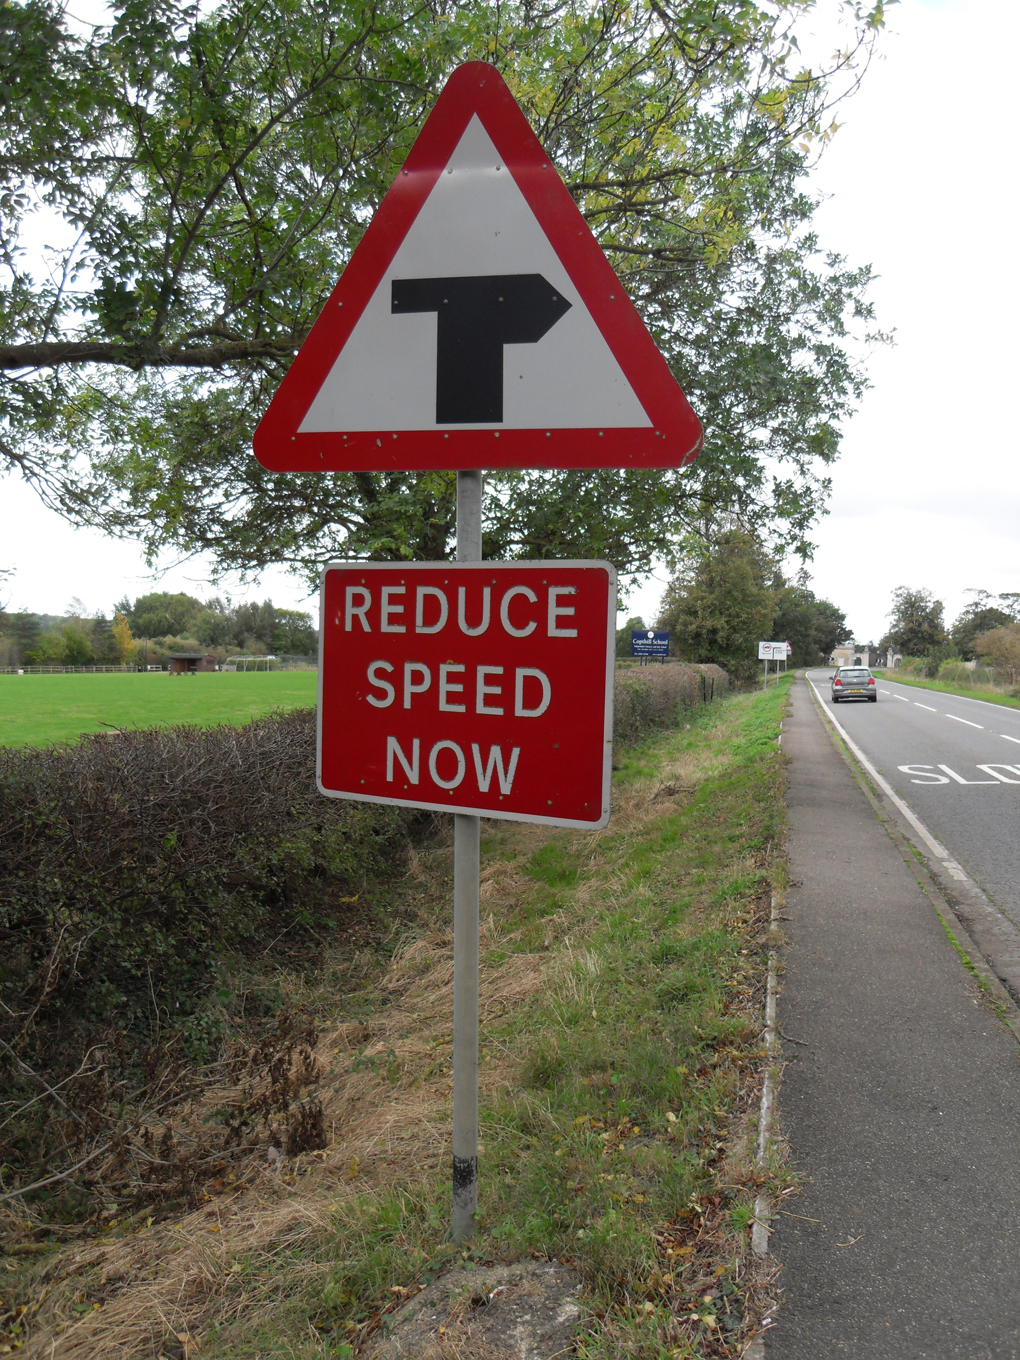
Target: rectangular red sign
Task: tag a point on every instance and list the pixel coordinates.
(482, 688)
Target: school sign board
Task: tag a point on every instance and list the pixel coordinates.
(649, 642)
(478, 688)
(478, 323)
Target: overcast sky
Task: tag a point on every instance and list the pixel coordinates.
(920, 184)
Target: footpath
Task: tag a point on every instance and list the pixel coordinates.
(900, 1099)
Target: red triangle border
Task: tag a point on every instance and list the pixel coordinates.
(675, 437)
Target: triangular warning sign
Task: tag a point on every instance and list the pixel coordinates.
(478, 323)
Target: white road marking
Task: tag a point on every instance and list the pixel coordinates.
(960, 779)
(926, 772)
(995, 768)
(884, 691)
(927, 706)
(1005, 738)
(901, 698)
(964, 720)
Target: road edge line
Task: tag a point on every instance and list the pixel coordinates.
(762, 1204)
(761, 1223)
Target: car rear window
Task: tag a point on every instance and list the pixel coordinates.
(855, 673)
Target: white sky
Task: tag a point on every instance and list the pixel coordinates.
(920, 181)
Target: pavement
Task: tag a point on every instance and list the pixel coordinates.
(900, 1098)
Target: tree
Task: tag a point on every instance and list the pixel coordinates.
(293, 634)
(981, 616)
(25, 630)
(814, 628)
(49, 649)
(77, 647)
(123, 641)
(105, 650)
(917, 625)
(161, 614)
(722, 605)
(623, 635)
(216, 168)
(1001, 648)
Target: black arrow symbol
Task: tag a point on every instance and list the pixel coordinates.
(476, 317)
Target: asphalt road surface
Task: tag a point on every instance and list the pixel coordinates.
(956, 763)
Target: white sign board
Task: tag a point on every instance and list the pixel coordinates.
(772, 651)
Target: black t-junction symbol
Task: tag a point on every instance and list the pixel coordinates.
(475, 317)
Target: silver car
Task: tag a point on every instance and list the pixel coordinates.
(854, 682)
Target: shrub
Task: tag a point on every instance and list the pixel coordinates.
(649, 697)
(1000, 647)
(130, 863)
(131, 867)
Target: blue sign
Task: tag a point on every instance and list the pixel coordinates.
(649, 642)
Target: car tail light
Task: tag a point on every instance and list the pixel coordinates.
(837, 682)
(871, 681)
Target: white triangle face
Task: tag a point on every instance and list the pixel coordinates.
(474, 222)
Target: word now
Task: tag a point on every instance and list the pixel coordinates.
(483, 773)
(431, 602)
(418, 680)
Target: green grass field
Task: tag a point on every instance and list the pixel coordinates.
(38, 710)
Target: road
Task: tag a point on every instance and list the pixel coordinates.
(956, 763)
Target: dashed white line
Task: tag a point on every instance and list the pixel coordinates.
(927, 706)
(901, 698)
(1005, 738)
(885, 691)
(964, 720)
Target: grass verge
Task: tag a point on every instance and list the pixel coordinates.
(985, 693)
(622, 981)
(38, 710)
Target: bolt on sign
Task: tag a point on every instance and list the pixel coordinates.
(484, 689)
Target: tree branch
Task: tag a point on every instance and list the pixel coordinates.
(56, 353)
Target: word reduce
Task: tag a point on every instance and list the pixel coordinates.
(447, 685)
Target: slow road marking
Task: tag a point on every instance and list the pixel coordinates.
(925, 774)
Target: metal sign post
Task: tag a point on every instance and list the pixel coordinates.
(479, 232)
(466, 840)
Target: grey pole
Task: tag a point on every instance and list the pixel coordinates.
(465, 936)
